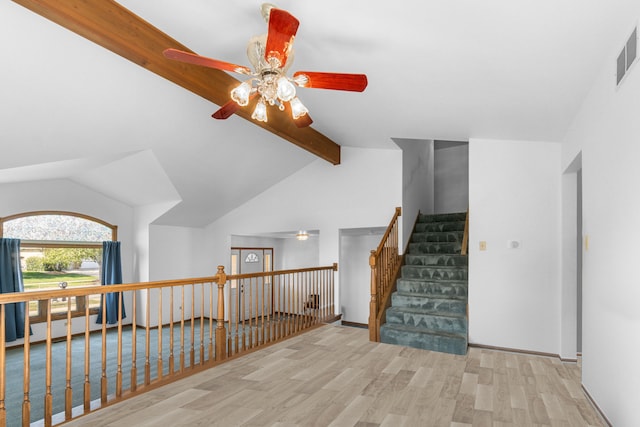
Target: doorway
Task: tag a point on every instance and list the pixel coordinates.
(572, 261)
(252, 295)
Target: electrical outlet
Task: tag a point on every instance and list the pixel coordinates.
(513, 244)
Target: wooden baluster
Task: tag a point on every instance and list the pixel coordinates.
(332, 290)
(103, 379)
(326, 283)
(26, 402)
(279, 308)
(292, 311)
(262, 313)
(232, 308)
(68, 393)
(242, 314)
(315, 281)
(211, 354)
(182, 330)
(171, 356)
(147, 362)
(255, 298)
(306, 280)
(249, 306)
(221, 352)
(48, 397)
(292, 307)
(270, 308)
(192, 354)
(253, 315)
(119, 349)
(202, 324)
(87, 360)
(300, 300)
(160, 364)
(3, 368)
(134, 346)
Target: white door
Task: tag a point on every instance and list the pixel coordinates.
(252, 295)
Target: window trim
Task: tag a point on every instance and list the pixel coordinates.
(80, 301)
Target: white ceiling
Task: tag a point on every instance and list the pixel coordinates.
(447, 69)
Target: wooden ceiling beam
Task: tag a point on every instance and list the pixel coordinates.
(110, 25)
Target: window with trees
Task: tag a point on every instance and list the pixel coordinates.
(59, 250)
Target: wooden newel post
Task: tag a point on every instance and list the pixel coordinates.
(373, 305)
(221, 332)
(3, 381)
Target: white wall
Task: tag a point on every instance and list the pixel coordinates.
(177, 253)
(300, 253)
(355, 273)
(417, 183)
(606, 131)
(514, 194)
(361, 192)
(451, 177)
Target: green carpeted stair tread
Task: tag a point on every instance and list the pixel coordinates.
(434, 248)
(446, 217)
(427, 321)
(444, 305)
(437, 237)
(426, 331)
(413, 310)
(455, 343)
(443, 260)
(439, 226)
(432, 295)
(433, 272)
(432, 288)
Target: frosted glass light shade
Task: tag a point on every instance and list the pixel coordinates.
(286, 90)
(241, 94)
(260, 113)
(297, 108)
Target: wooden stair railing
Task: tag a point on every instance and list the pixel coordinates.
(246, 311)
(465, 237)
(385, 263)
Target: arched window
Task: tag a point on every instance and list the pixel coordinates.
(59, 250)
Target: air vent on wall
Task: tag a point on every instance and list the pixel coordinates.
(627, 56)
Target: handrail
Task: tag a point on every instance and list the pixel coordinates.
(388, 231)
(209, 319)
(384, 263)
(465, 237)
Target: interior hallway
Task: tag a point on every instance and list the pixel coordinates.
(334, 376)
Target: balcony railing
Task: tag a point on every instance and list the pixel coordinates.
(172, 329)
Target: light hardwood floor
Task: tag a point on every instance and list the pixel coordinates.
(333, 376)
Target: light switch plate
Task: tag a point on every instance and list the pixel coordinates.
(483, 245)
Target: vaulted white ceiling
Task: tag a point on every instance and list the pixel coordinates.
(447, 69)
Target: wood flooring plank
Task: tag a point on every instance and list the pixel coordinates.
(334, 376)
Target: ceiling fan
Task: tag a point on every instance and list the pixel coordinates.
(271, 56)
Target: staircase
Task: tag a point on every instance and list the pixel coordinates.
(429, 308)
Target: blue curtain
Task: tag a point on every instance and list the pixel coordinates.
(11, 281)
(111, 274)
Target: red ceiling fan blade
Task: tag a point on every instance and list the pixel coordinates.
(282, 30)
(192, 58)
(335, 81)
(226, 111)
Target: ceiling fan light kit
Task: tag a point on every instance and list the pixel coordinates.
(271, 56)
